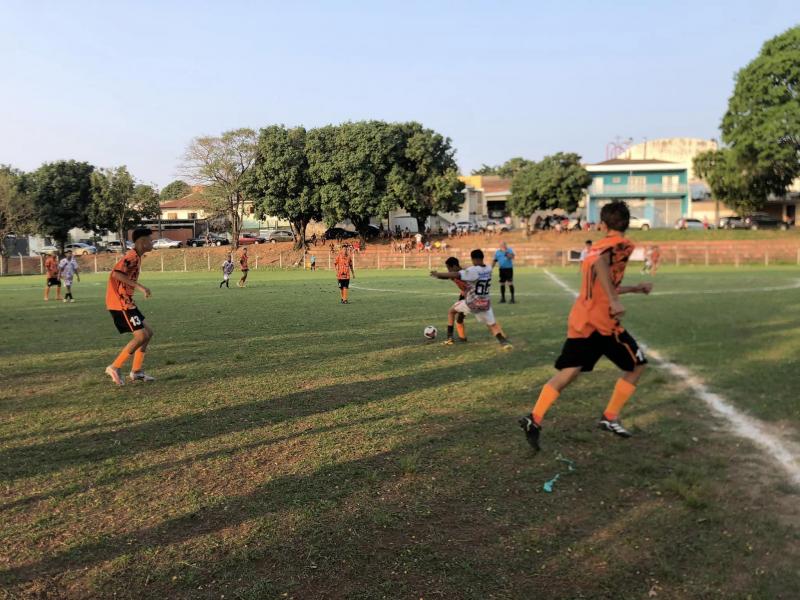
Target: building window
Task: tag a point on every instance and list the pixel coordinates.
(669, 183)
(637, 183)
(172, 216)
(251, 209)
(191, 216)
(616, 180)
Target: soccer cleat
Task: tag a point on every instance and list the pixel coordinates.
(462, 340)
(140, 376)
(512, 301)
(72, 299)
(65, 300)
(115, 375)
(448, 342)
(532, 431)
(614, 426)
(502, 300)
(505, 345)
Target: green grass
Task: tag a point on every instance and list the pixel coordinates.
(293, 447)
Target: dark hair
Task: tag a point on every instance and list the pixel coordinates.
(140, 232)
(476, 254)
(67, 251)
(589, 242)
(452, 262)
(616, 216)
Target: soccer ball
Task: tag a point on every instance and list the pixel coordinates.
(430, 332)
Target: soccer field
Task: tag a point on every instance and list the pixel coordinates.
(295, 447)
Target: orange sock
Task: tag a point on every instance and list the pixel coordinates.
(547, 396)
(344, 293)
(623, 390)
(121, 359)
(462, 333)
(138, 360)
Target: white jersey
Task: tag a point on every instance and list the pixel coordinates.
(68, 267)
(478, 280)
(227, 267)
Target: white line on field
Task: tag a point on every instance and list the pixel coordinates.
(786, 453)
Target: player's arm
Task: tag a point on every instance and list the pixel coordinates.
(639, 288)
(352, 270)
(510, 254)
(445, 275)
(122, 278)
(603, 271)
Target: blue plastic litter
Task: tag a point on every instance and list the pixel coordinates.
(548, 485)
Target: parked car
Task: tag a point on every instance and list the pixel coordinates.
(211, 239)
(47, 250)
(639, 223)
(497, 226)
(116, 246)
(279, 235)
(80, 249)
(764, 221)
(163, 242)
(337, 233)
(247, 239)
(734, 222)
(466, 226)
(684, 223)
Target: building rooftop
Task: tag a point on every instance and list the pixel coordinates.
(632, 161)
(194, 199)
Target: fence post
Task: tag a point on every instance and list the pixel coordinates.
(354, 261)
(379, 260)
(798, 256)
(21, 265)
(736, 259)
(208, 259)
(95, 263)
(256, 261)
(429, 261)
(162, 263)
(41, 265)
(1, 262)
(184, 261)
(766, 258)
(563, 259)
(329, 259)
(706, 255)
(404, 261)
(280, 259)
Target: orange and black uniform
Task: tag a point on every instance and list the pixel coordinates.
(243, 263)
(51, 268)
(119, 296)
(343, 265)
(591, 331)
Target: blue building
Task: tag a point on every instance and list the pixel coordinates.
(655, 190)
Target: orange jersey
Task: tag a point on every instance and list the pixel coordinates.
(119, 296)
(51, 266)
(343, 266)
(243, 262)
(592, 309)
(462, 285)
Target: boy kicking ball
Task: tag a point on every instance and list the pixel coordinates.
(594, 328)
(455, 318)
(122, 283)
(478, 279)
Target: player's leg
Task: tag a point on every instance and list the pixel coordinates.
(487, 317)
(58, 290)
(137, 370)
(624, 352)
(511, 284)
(460, 329)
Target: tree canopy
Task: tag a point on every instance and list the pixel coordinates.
(176, 189)
(118, 204)
(17, 213)
(61, 193)
(507, 170)
(557, 181)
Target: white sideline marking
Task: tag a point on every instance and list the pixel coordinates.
(786, 453)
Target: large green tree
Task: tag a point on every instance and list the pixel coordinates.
(762, 124)
(176, 189)
(282, 183)
(118, 204)
(61, 193)
(424, 177)
(557, 181)
(728, 182)
(223, 164)
(507, 170)
(17, 213)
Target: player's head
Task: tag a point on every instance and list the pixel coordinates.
(503, 245)
(452, 264)
(476, 256)
(68, 253)
(588, 243)
(615, 216)
(229, 256)
(244, 250)
(141, 239)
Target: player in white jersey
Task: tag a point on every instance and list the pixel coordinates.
(67, 269)
(227, 269)
(478, 279)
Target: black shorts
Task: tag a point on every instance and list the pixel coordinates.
(506, 274)
(344, 283)
(621, 349)
(51, 281)
(129, 320)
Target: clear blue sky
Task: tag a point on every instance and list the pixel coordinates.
(132, 82)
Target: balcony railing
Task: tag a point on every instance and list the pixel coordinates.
(624, 189)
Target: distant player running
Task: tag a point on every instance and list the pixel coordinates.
(455, 318)
(344, 272)
(122, 283)
(476, 300)
(67, 269)
(594, 328)
(51, 277)
(243, 264)
(227, 269)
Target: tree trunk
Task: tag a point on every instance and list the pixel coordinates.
(235, 224)
(421, 222)
(299, 229)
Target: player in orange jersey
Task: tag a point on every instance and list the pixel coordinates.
(52, 276)
(455, 318)
(122, 283)
(244, 266)
(594, 327)
(344, 272)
